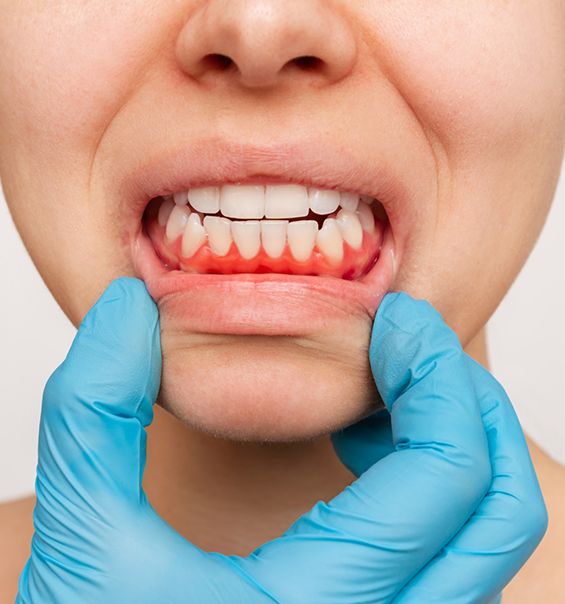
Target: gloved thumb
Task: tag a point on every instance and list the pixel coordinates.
(97, 403)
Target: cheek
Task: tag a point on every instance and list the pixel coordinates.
(65, 69)
(268, 388)
(77, 64)
(480, 73)
(487, 82)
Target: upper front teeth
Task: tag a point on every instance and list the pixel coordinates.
(286, 201)
(242, 201)
(205, 199)
(251, 203)
(254, 202)
(323, 202)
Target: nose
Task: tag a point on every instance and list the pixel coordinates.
(260, 42)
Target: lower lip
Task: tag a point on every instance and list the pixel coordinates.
(261, 304)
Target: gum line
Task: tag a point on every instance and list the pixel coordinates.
(355, 264)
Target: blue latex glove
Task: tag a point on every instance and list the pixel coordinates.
(414, 521)
(511, 520)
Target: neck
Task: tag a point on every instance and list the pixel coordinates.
(231, 497)
(541, 579)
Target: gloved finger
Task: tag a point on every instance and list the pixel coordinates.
(96, 404)
(376, 535)
(97, 538)
(506, 527)
(363, 444)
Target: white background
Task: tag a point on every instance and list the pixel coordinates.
(526, 337)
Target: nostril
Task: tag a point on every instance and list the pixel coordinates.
(222, 62)
(306, 63)
(253, 43)
(218, 61)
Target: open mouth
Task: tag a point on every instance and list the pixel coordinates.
(286, 229)
(283, 240)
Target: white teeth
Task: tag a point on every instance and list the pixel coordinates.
(366, 217)
(165, 211)
(193, 237)
(247, 237)
(277, 203)
(301, 238)
(205, 199)
(181, 198)
(286, 201)
(349, 201)
(271, 201)
(350, 228)
(330, 242)
(273, 237)
(237, 201)
(323, 201)
(219, 234)
(177, 221)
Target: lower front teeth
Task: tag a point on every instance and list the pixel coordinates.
(247, 237)
(273, 235)
(330, 241)
(194, 236)
(219, 234)
(351, 229)
(301, 237)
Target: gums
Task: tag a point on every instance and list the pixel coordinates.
(355, 263)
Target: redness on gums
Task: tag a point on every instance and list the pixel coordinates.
(354, 265)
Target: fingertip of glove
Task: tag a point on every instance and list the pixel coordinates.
(402, 318)
(402, 311)
(117, 343)
(408, 337)
(123, 310)
(128, 292)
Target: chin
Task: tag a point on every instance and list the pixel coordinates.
(265, 388)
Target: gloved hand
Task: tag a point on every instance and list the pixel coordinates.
(511, 520)
(410, 522)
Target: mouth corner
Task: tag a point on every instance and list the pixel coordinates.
(381, 276)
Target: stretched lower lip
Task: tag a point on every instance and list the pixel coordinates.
(269, 304)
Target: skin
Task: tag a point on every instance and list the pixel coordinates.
(451, 114)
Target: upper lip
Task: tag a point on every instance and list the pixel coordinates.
(314, 164)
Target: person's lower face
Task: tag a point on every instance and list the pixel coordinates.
(267, 291)
(318, 155)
